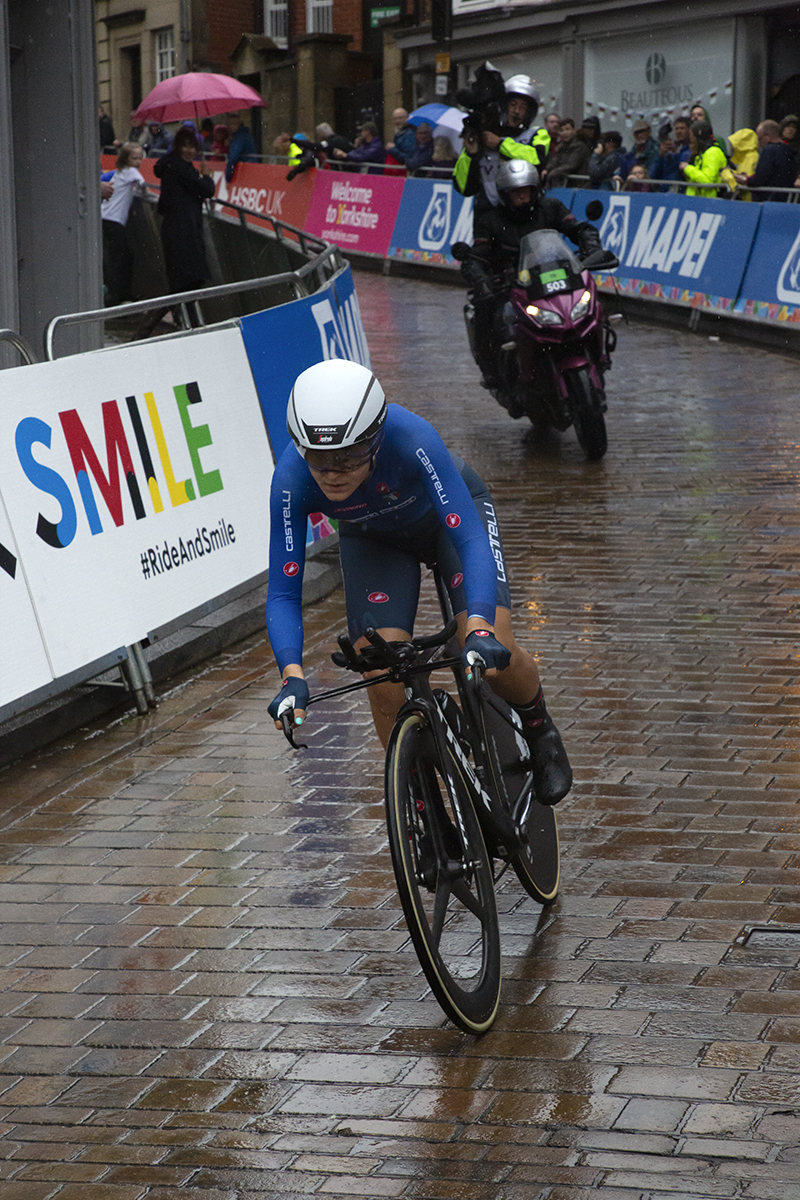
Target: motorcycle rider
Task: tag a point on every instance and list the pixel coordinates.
(498, 232)
(477, 165)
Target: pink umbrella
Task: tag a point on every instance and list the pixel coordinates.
(194, 96)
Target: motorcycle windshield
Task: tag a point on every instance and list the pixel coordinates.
(547, 265)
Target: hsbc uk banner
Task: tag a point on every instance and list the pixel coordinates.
(432, 217)
(685, 250)
(771, 286)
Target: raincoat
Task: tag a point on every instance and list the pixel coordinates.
(744, 156)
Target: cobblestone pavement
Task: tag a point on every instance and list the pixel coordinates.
(207, 989)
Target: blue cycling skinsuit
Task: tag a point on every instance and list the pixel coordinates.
(419, 504)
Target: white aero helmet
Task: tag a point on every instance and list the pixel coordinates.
(335, 405)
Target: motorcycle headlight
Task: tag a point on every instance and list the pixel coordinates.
(582, 307)
(543, 316)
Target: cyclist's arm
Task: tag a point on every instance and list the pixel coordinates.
(287, 553)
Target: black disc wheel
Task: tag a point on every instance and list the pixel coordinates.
(538, 864)
(444, 877)
(587, 414)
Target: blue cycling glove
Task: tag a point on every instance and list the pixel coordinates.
(293, 694)
(483, 647)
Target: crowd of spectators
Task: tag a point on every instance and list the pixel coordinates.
(686, 150)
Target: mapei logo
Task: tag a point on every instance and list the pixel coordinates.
(614, 230)
(434, 231)
(788, 288)
(150, 482)
(667, 238)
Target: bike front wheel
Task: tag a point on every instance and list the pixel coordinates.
(587, 414)
(444, 877)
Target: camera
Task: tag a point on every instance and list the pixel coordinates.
(486, 103)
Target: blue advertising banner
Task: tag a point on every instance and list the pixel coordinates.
(281, 342)
(683, 249)
(771, 286)
(432, 216)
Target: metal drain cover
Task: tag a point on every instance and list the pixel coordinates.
(786, 936)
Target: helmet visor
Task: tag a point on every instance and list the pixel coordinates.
(341, 462)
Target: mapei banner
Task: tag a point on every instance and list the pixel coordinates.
(134, 487)
(681, 249)
(771, 287)
(432, 216)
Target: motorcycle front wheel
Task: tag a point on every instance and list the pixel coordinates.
(587, 413)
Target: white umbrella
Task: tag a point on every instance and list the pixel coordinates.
(446, 120)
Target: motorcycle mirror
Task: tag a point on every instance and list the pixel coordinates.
(600, 260)
(460, 250)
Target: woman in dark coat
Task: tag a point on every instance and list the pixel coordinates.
(183, 190)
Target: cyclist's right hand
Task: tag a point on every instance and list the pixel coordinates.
(482, 647)
(292, 698)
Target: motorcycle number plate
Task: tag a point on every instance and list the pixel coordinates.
(555, 285)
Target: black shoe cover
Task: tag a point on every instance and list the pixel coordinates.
(552, 774)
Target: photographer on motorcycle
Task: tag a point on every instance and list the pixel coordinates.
(485, 152)
(488, 265)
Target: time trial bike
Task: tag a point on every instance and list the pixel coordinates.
(460, 809)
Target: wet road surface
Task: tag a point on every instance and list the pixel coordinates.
(207, 989)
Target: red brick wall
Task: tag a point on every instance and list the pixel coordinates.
(226, 21)
(346, 19)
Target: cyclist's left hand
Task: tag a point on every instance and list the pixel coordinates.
(482, 646)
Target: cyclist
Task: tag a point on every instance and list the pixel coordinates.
(400, 499)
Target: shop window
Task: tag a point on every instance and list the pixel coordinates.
(276, 21)
(319, 16)
(165, 53)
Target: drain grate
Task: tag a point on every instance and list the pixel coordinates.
(786, 936)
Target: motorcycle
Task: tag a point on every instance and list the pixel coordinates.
(557, 343)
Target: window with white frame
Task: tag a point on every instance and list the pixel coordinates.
(319, 16)
(276, 21)
(165, 53)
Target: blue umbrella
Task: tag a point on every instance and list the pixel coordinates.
(446, 120)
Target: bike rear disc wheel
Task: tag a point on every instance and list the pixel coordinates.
(538, 863)
(450, 905)
(587, 416)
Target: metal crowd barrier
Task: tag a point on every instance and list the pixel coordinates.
(725, 192)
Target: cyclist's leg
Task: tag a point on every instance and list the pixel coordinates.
(381, 583)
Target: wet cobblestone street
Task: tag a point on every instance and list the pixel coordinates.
(207, 991)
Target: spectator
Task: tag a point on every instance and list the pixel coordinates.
(282, 144)
(184, 187)
(672, 151)
(117, 252)
(790, 133)
(137, 134)
(106, 186)
(743, 157)
(107, 139)
(777, 163)
(404, 137)
(220, 144)
(206, 134)
(644, 150)
(707, 160)
(369, 147)
(637, 179)
(302, 155)
(242, 148)
(698, 113)
(570, 157)
(422, 153)
(605, 161)
(158, 140)
(591, 130)
(330, 141)
(551, 124)
(443, 153)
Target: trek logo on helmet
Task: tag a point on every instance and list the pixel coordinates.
(325, 435)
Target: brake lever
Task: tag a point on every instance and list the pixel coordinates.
(288, 730)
